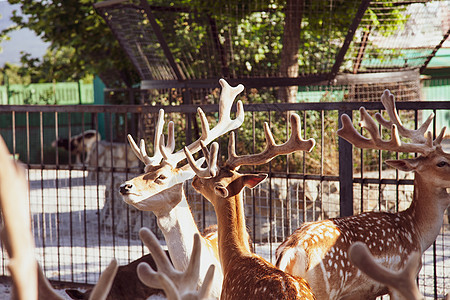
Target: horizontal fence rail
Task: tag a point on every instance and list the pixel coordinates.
(80, 221)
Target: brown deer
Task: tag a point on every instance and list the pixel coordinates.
(177, 285)
(318, 251)
(402, 284)
(246, 275)
(29, 281)
(161, 190)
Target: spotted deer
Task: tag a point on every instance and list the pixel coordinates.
(176, 284)
(29, 281)
(246, 275)
(160, 189)
(318, 250)
(402, 284)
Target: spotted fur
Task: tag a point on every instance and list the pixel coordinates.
(317, 251)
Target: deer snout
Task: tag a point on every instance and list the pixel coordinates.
(126, 188)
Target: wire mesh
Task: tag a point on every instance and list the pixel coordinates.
(272, 39)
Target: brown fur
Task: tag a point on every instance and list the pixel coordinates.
(246, 275)
(126, 284)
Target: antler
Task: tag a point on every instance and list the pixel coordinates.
(176, 284)
(418, 144)
(140, 151)
(16, 233)
(403, 281)
(295, 143)
(224, 125)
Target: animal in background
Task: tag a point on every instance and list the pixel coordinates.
(80, 145)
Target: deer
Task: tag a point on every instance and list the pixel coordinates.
(29, 281)
(402, 284)
(160, 189)
(176, 284)
(318, 250)
(246, 275)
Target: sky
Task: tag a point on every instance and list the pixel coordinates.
(21, 40)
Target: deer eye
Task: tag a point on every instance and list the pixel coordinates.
(160, 178)
(441, 164)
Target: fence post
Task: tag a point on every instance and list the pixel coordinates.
(99, 98)
(80, 96)
(345, 173)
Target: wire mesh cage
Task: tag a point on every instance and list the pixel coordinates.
(263, 43)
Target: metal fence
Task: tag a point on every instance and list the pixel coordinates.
(80, 222)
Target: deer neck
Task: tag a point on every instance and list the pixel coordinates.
(232, 230)
(178, 227)
(427, 209)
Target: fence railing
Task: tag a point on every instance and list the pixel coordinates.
(80, 221)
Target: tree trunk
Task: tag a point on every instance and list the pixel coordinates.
(291, 44)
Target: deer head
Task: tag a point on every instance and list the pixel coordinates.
(161, 171)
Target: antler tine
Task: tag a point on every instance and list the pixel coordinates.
(224, 124)
(295, 143)
(211, 158)
(140, 151)
(416, 136)
(105, 281)
(167, 149)
(403, 281)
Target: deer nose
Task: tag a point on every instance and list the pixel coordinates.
(125, 188)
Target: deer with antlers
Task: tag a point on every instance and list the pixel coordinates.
(246, 275)
(160, 189)
(29, 281)
(318, 250)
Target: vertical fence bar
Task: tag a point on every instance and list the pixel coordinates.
(345, 172)
(44, 232)
(57, 200)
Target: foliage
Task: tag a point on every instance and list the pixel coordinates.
(13, 75)
(73, 28)
(54, 67)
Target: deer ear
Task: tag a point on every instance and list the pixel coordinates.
(252, 181)
(221, 191)
(403, 164)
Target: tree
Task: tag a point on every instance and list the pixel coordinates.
(73, 28)
(11, 74)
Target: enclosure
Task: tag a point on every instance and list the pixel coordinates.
(80, 222)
